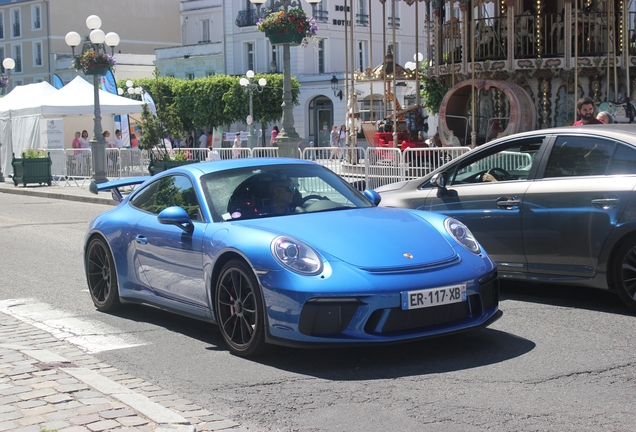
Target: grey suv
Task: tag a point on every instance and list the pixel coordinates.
(555, 205)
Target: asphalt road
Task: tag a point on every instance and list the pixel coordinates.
(559, 359)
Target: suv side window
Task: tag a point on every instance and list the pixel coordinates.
(624, 161)
(167, 192)
(579, 156)
(510, 161)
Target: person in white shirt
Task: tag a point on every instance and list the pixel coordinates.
(118, 142)
(203, 140)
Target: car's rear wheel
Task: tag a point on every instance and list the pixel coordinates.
(625, 272)
(102, 276)
(239, 309)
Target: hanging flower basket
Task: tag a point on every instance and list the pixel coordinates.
(93, 63)
(275, 38)
(293, 27)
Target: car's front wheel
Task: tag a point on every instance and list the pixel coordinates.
(625, 272)
(102, 276)
(239, 309)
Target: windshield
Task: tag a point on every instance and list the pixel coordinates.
(277, 190)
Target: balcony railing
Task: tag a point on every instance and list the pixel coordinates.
(322, 15)
(395, 20)
(362, 19)
(247, 17)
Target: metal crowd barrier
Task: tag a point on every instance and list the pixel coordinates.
(364, 168)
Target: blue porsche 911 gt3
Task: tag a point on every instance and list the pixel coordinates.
(284, 251)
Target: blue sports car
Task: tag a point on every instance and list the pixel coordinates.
(284, 251)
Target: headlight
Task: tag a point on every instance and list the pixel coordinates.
(296, 256)
(462, 234)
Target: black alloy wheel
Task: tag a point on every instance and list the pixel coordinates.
(102, 276)
(239, 310)
(625, 272)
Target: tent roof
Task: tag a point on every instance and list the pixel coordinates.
(25, 96)
(77, 98)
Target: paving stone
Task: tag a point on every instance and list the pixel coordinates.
(211, 418)
(94, 401)
(44, 409)
(37, 394)
(14, 390)
(87, 394)
(71, 388)
(31, 420)
(44, 384)
(68, 405)
(75, 429)
(102, 425)
(30, 404)
(186, 408)
(31, 428)
(9, 425)
(8, 399)
(132, 421)
(54, 425)
(113, 414)
(57, 398)
(86, 419)
(10, 415)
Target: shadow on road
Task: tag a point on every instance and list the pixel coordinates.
(562, 295)
(442, 354)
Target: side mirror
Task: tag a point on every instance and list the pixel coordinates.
(372, 196)
(176, 216)
(439, 180)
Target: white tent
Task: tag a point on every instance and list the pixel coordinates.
(24, 113)
(21, 97)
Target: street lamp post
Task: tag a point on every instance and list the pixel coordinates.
(8, 64)
(249, 87)
(287, 139)
(97, 42)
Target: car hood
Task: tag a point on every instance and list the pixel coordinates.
(369, 238)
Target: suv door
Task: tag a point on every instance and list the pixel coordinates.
(486, 192)
(570, 212)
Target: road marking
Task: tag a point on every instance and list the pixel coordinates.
(89, 335)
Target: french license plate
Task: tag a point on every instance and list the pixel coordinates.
(433, 297)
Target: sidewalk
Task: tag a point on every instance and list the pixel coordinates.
(70, 193)
(48, 384)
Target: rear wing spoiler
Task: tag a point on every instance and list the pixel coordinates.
(115, 185)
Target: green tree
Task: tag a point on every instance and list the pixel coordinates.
(433, 91)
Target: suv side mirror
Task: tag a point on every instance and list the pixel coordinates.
(439, 180)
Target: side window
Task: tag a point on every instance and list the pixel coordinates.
(624, 161)
(579, 156)
(167, 192)
(505, 162)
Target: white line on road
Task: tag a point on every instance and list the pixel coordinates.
(90, 336)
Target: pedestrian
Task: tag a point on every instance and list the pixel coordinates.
(334, 137)
(84, 140)
(203, 140)
(341, 140)
(275, 131)
(605, 117)
(134, 142)
(236, 147)
(209, 143)
(106, 136)
(190, 141)
(118, 142)
(76, 142)
(585, 109)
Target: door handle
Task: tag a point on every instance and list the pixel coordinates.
(141, 239)
(508, 203)
(605, 203)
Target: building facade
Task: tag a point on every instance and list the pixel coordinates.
(222, 37)
(32, 33)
